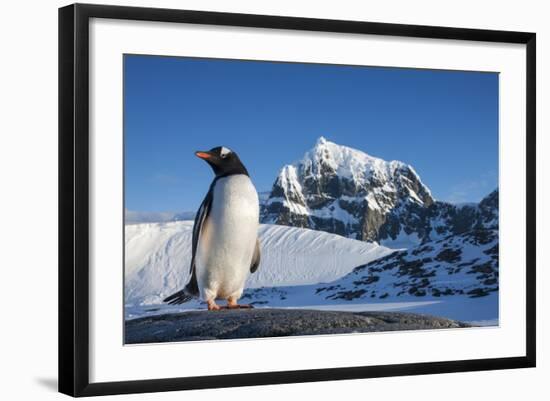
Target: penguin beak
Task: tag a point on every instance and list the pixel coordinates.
(204, 155)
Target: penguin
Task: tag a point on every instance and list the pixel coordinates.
(225, 245)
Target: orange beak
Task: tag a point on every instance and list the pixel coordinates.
(203, 155)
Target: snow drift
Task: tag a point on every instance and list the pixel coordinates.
(158, 257)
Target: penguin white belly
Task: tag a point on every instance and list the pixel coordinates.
(228, 238)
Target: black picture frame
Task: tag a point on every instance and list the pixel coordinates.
(74, 198)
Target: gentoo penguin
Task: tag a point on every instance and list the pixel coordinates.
(225, 247)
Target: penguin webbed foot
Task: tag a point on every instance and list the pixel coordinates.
(232, 304)
(212, 305)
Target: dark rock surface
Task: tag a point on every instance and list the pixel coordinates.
(255, 323)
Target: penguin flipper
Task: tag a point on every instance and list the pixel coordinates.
(256, 257)
(191, 289)
(200, 218)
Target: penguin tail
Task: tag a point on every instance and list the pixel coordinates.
(179, 297)
(190, 291)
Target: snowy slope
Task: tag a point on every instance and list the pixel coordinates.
(462, 265)
(455, 277)
(158, 257)
(465, 265)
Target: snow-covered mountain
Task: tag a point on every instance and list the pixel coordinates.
(463, 264)
(158, 257)
(345, 191)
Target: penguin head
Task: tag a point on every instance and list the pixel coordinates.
(223, 161)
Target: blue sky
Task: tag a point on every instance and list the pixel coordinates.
(443, 123)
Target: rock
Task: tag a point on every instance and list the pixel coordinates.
(347, 192)
(256, 323)
(450, 266)
(449, 255)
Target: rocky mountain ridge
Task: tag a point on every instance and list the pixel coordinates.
(345, 191)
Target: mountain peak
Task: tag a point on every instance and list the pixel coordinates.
(321, 141)
(346, 162)
(343, 190)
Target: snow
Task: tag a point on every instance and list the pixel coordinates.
(392, 284)
(445, 273)
(413, 171)
(299, 267)
(376, 181)
(372, 202)
(460, 205)
(484, 323)
(402, 241)
(143, 310)
(476, 311)
(370, 307)
(345, 162)
(275, 200)
(334, 211)
(158, 257)
(415, 196)
(297, 270)
(288, 181)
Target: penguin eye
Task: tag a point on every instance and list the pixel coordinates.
(224, 152)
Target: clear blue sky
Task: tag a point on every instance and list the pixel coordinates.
(443, 123)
